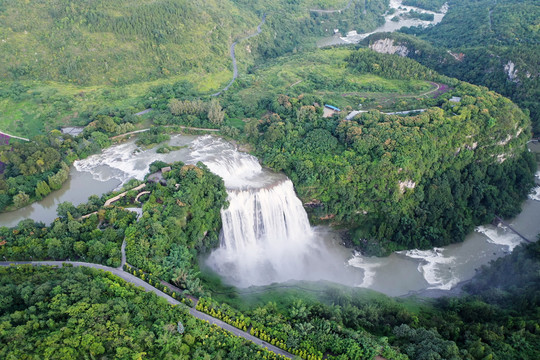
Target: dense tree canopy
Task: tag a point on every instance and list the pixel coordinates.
(417, 181)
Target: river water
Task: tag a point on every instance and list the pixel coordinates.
(266, 236)
(352, 37)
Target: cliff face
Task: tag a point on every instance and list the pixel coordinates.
(386, 46)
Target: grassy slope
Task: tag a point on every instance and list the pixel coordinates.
(323, 73)
(117, 42)
(497, 33)
(113, 52)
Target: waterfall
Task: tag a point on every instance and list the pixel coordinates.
(266, 236)
(272, 217)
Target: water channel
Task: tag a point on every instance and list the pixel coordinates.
(352, 37)
(266, 237)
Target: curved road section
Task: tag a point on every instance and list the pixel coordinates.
(147, 287)
(233, 56)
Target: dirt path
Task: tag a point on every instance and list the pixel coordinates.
(13, 136)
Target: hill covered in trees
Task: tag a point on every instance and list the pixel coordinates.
(417, 180)
(91, 43)
(64, 60)
(490, 43)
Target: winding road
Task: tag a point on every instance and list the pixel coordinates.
(233, 56)
(147, 287)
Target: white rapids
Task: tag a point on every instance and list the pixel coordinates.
(500, 235)
(266, 236)
(435, 267)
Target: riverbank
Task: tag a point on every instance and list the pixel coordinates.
(397, 11)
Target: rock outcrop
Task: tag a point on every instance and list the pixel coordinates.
(386, 46)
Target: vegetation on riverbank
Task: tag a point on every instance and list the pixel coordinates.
(180, 220)
(405, 181)
(73, 313)
(494, 44)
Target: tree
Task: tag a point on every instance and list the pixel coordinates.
(215, 112)
(21, 199)
(42, 189)
(67, 208)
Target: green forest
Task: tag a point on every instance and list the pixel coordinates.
(499, 34)
(80, 313)
(382, 174)
(385, 181)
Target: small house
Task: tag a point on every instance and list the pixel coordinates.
(330, 110)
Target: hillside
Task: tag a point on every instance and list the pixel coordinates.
(61, 61)
(490, 43)
(120, 42)
(404, 180)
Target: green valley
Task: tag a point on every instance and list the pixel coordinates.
(258, 197)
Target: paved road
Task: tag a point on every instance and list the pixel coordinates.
(239, 332)
(147, 287)
(167, 126)
(13, 136)
(233, 56)
(143, 112)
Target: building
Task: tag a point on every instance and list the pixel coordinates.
(330, 110)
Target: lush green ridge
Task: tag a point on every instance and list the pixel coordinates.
(322, 73)
(407, 181)
(499, 33)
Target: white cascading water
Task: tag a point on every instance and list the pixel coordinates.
(267, 238)
(266, 235)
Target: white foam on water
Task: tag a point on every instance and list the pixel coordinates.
(390, 26)
(435, 267)
(116, 162)
(237, 169)
(500, 235)
(535, 195)
(358, 261)
(234, 167)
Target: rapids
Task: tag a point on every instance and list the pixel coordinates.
(266, 236)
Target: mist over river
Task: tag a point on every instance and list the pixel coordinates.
(266, 236)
